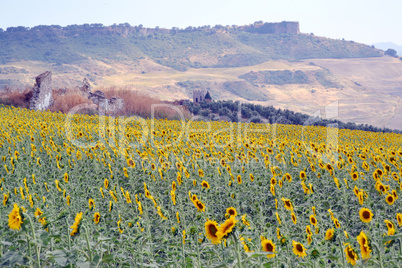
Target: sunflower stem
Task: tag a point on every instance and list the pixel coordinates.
(37, 247)
(198, 251)
(238, 253)
(68, 236)
(343, 256)
(379, 254)
(29, 248)
(400, 248)
(87, 239)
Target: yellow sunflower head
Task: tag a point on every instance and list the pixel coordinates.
(365, 215)
(268, 246)
(364, 245)
(227, 227)
(351, 255)
(298, 249)
(211, 231)
(231, 212)
(329, 234)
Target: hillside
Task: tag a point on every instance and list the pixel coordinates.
(288, 70)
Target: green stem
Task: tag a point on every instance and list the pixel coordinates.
(183, 256)
(379, 254)
(198, 251)
(87, 239)
(29, 248)
(68, 236)
(37, 247)
(343, 256)
(238, 253)
(400, 248)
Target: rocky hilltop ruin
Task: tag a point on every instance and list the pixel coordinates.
(42, 97)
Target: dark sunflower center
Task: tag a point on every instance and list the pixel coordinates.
(299, 248)
(366, 215)
(227, 227)
(390, 225)
(313, 220)
(270, 247)
(231, 212)
(351, 254)
(287, 203)
(212, 229)
(390, 198)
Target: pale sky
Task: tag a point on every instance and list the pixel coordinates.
(365, 21)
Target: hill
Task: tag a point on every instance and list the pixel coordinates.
(255, 64)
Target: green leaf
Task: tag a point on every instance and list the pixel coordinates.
(108, 258)
(61, 261)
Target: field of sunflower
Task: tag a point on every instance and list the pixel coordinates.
(90, 191)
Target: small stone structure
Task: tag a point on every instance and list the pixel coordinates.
(199, 95)
(42, 97)
(112, 105)
(86, 87)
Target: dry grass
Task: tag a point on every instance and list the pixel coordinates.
(65, 100)
(141, 104)
(135, 103)
(16, 98)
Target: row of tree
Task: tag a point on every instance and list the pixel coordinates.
(237, 111)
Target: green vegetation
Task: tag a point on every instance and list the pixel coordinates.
(276, 77)
(258, 113)
(324, 77)
(179, 49)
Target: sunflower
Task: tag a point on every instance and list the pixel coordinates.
(313, 220)
(303, 175)
(130, 163)
(364, 245)
(329, 234)
(239, 181)
(336, 223)
(5, 199)
(351, 255)
(231, 212)
(390, 199)
(298, 249)
(91, 203)
(273, 181)
(106, 183)
(226, 227)
(399, 218)
(201, 173)
(97, 217)
(268, 246)
(15, 219)
(272, 189)
(68, 200)
(294, 219)
(222, 162)
(390, 226)
(211, 231)
(38, 212)
(277, 218)
(354, 176)
(76, 224)
(313, 209)
(308, 230)
(205, 184)
(288, 204)
(365, 215)
(65, 177)
(199, 205)
(251, 177)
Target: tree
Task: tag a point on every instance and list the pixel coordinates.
(391, 52)
(207, 96)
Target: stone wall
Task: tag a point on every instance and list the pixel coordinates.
(42, 97)
(199, 95)
(284, 27)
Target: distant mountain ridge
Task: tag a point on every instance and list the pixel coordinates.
(386, 45)
(192, 47)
